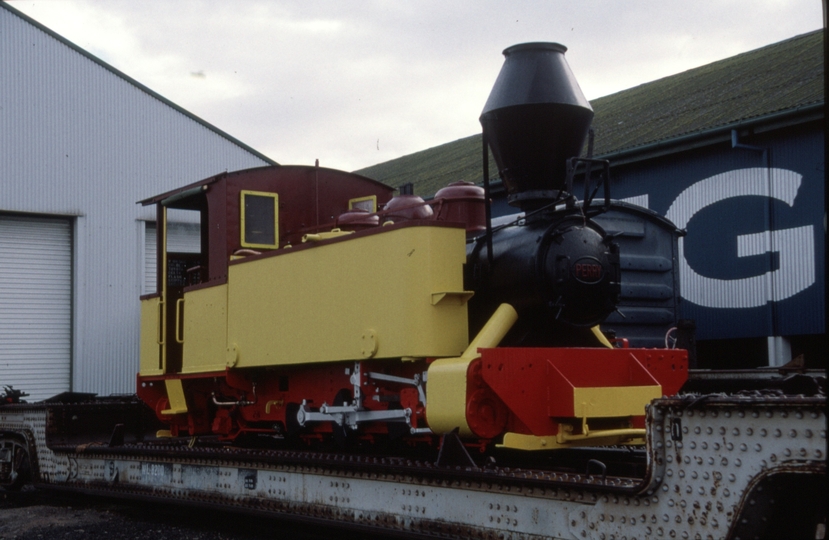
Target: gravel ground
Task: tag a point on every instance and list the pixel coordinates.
(38, 515)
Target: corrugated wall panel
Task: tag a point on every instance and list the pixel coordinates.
(150, 259)
(35, 305)
(800, 236)
(753, 260)
(181, 238)
(80, 140)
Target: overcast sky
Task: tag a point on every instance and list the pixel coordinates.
(358, 83)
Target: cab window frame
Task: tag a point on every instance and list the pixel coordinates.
(245, 218)
(359, 202)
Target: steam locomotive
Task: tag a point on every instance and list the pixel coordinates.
(321, 307)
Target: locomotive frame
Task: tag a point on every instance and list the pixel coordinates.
(338, 320)
(232, 344)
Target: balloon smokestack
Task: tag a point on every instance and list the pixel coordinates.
(536, 118)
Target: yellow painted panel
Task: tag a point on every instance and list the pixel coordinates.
(150, 361)
(613, 401)
(205, 329)
(605, 437)
(519, 441)
(447, 396)
(363, 297)
(447, 376)
(175, 397)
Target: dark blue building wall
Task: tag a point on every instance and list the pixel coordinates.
(753, 261)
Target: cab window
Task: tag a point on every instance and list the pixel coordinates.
(259, 211)
(368, 203)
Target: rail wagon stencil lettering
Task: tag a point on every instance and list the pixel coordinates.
(795, 246)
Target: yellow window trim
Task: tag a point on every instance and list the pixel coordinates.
(355, 203)
(275, 198)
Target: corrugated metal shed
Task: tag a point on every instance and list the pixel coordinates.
(82, 140)
(753, 261)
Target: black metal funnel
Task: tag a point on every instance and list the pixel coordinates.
(536, 118)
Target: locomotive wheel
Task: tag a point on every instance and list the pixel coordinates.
(343, 435)
(15, 470)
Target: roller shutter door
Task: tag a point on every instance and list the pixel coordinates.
(35, 305)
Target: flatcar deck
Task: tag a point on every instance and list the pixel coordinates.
(711, 463)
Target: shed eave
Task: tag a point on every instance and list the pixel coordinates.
(712, 135)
